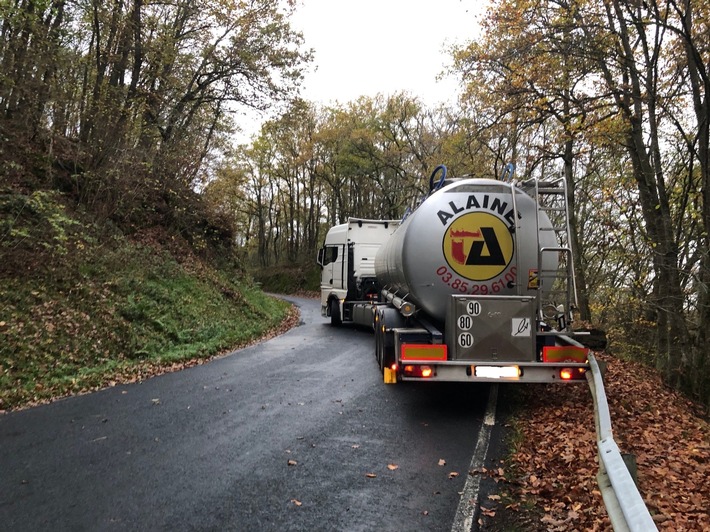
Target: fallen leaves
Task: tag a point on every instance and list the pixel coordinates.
(452, 474)
(488, 511)
(552, 473)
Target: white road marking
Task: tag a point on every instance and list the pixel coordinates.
(463, 520)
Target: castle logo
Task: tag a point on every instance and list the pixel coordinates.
(478, 246)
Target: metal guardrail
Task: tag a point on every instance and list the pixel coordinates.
(622, 499)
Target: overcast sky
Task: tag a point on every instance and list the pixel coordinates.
(368, 46)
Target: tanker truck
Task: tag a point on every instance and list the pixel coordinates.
(474, 284)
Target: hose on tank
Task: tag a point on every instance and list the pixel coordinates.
(508, 171)
(432, 187)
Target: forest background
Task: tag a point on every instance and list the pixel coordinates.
(118, 120)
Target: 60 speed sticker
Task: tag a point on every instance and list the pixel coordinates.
(465, 339)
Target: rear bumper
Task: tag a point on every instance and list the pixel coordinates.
(472, 371)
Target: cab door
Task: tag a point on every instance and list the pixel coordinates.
(331, 258)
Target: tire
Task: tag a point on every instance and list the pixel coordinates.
(335, 317)
(378, 347)
(387, 354)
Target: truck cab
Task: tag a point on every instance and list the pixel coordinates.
(347, 261)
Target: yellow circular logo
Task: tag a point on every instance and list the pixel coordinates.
(478, 246)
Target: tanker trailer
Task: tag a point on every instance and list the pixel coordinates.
(476, 284)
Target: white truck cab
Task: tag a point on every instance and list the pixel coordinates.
(347, 259)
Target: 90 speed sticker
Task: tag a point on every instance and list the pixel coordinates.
(473, 308)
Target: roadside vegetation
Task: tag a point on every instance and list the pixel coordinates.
(112, 264)
(82, 310)
(122, 115)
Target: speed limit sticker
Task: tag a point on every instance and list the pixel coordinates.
(465, 339)
(473, 308)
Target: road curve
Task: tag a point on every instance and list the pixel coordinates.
(296, 433)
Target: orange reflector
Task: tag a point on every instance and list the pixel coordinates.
(567, 353)
(424, 352)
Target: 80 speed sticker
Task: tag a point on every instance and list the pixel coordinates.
(465, 322)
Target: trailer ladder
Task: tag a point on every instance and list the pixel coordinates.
(559, 299)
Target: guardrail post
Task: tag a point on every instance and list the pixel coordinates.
(630, 461)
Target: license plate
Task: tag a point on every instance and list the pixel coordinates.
(497, 372)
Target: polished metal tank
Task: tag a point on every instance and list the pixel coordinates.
(462, 240)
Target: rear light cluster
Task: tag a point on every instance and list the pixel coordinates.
(572, 374)
(411, 370)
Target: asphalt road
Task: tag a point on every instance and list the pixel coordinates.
(278, 436)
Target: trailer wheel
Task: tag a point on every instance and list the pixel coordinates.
(383, 352)
(335, 318)
(378, 347)
(380, 341)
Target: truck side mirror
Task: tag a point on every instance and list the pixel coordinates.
(319, 260)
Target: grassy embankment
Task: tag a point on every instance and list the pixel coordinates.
(82, 307)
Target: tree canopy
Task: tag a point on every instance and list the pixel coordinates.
(611, 95)
(133, 97)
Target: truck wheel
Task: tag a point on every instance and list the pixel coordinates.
(384, 353)
(387, 356)
(335, 318)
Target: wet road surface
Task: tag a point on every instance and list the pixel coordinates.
(296, 433)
